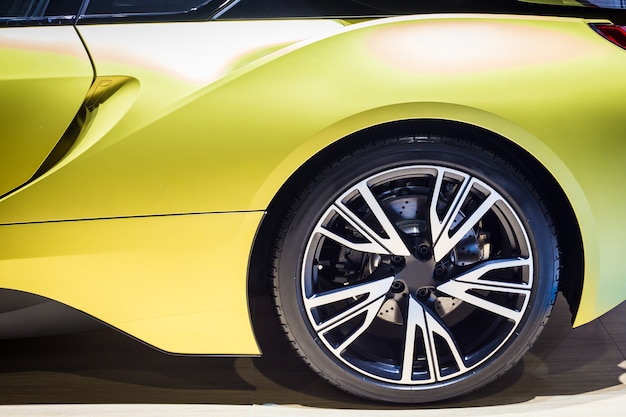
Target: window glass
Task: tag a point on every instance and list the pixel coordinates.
(37, 9)
(615, 4)
(246, 9)
(607, 4)
(114, 7)
(306, 8)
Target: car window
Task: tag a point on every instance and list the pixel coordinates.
(316, 8)
(115, 7)
(37, 9)
(262, 9)
(607, 4)
(105, 11)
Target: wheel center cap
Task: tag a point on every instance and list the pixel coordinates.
(417, 273)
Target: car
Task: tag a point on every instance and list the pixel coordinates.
(411, 182)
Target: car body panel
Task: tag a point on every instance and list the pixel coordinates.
(38, 64)
(160, 279)
(129, 135)
(145, 159)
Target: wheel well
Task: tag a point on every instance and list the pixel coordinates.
(568, 231)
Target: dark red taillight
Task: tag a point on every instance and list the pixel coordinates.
(614, 33)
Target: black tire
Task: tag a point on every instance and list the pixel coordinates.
(378, 309)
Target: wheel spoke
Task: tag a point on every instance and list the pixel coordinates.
(444, 235)
(476, 274)
(371, 312)
(422, 319)
(416, 320)
(437, 225)
(370, 246)
(392, 242)
(364, 295)
(466, 291)
(435, 327)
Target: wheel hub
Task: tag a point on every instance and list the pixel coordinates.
(417, 274)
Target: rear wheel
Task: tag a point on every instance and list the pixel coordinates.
(415, 269)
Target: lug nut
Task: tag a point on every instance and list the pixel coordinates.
(440, 272)
(423, 293)
(423, 251)
(397, 260)
(397, 286)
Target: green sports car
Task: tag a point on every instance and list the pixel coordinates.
(411, 181)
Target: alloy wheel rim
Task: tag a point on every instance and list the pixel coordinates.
(416, 275)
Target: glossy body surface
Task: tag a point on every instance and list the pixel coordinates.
(143, 163)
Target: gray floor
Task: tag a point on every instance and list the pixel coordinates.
(569, 372)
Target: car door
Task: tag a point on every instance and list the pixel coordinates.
(45, 74)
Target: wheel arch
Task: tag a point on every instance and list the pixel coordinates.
(555, 198)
